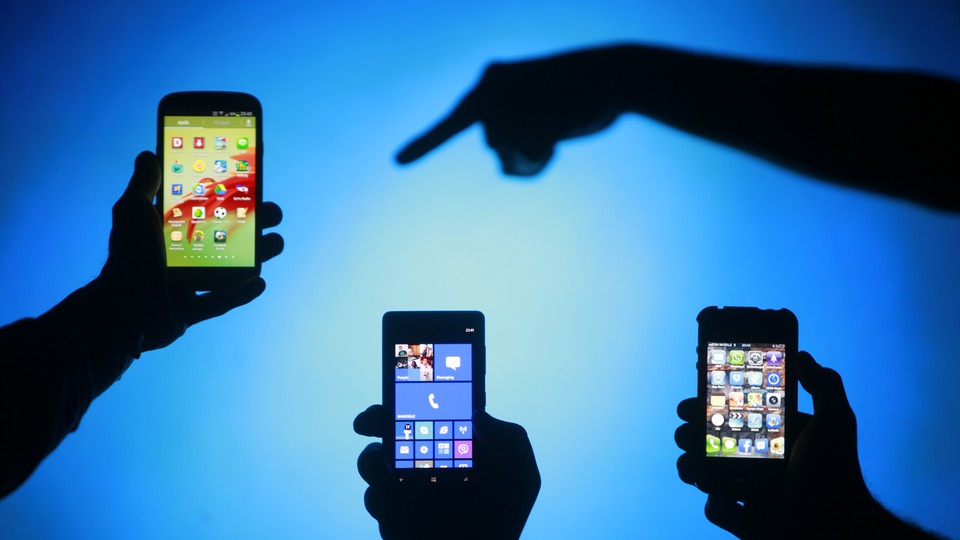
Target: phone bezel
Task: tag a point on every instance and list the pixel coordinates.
(749, 325)
(431, 327)
(202, 103)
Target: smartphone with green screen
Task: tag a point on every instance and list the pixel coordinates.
(210, 147)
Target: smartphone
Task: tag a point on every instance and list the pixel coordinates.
(433, 382)
(210, 147)
(748, 389)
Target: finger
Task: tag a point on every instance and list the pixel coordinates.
(462, 117)
(370, 422)
(688, 469)
(270, 215)
(689, 437)
(723, 510)
(372, 465)
(690, 409)
(270, 246)
(145, 182)
(509, 443)
(515, 163)
(373, 501)
(215, 303)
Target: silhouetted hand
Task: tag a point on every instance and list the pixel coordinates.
(527, 107)
(822, 493)
(494, 505)
(135, 273)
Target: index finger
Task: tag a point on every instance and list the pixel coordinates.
(463, 116)
(370, 422)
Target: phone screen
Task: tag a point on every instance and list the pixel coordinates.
(745, 390)
(209, 189)
(433, 388)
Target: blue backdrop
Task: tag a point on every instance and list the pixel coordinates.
(590, 276)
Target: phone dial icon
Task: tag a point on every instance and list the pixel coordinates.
(433, 403)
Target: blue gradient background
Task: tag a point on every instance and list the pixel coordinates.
(590, 276)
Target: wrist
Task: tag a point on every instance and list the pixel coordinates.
(98, 328)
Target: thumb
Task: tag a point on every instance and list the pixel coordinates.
(145, 182)
(824, 384)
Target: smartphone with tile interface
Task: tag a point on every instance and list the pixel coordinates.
(433, 382)
(746, 383)
(210, 147)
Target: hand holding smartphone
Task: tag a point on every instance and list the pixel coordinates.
(210, 147)
(748, 390)
(433, 383)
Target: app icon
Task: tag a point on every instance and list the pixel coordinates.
(774, 378)
(220, 165)
(713, 444)
(736, 399)
(736, 378)
(736, 358)
(760, 446)
(463, 430)
(717, 356)
(243, 189)
(776, 446)
(176, 236)
(219, 212)
(735, 420)
(241, 165)
(198, 236)
(755, 399)
(718, 378)
(745, 446)
(755, 359)
(404, 431)
(242, 143)
(219, 236)
(774, 399)
(754, 378)
(729, 445)
(176, 189)
(219, 143)
(464, 449)
(198, 143)
(717, 419)
(432, 399)
(198, 189)
(444, 449)
(774, 358)
(176, 142)
(176, 167)
(718, 400)
(773, 421)
(444, 430)
(404, 450)
(220, 190)
(199, 165)
(199, 212)
(424, 430)
(176, 212)
(241, 213)
(754, 420)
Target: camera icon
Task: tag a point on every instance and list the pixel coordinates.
(773, 399)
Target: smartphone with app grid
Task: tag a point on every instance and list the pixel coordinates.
(748, 389)
(433, 382)
(210, 147)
